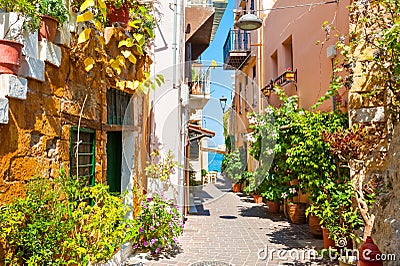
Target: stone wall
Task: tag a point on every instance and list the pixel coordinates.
(383, 164)
(35, 127)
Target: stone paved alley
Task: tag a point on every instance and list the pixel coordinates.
(230, 229)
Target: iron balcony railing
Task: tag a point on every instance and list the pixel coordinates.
(236, 41)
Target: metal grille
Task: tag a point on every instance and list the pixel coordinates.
(82, 153)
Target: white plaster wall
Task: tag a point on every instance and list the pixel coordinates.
(165, 100)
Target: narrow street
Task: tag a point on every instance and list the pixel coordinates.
(230, 229)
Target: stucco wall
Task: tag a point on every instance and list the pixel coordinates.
(303, 25)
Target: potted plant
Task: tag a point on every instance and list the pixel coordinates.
(235, 168)
(11, 42)
(254, 186)
(297, 209)
(53, 13)
(272, 195)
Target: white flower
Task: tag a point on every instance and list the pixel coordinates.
(284, 195)
(270, 151)
(292, 190)
(252, 120)
(274, 135)
(269, 110)
(251, 138)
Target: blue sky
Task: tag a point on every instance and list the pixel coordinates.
(221, 80)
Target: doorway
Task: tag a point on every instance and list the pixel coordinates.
(114, 160)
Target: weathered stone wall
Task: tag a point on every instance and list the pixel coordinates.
(383, 164)
(36, 139)
(386, 233)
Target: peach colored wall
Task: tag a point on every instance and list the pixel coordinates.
(304, 25)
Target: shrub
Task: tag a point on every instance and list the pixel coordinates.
(159, 224)
(62, 222)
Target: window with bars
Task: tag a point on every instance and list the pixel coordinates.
(82, 153)
(118, 107)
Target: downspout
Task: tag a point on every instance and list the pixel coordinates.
(181, 116)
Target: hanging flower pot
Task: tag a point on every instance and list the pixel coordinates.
(273, 206)
(372, 257)
(48, 28)
(10, 56)
(120, 15)
(327, 241)
(257, 198)
(315, 226)
(297, 213)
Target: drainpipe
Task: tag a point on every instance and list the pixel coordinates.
(181, 115)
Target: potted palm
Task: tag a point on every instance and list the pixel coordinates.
(22, 15)
(53, 13)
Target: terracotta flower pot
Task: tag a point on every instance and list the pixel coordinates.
(297, 213)
(372, 257)
(327, 241)
(257, 198)
(48, 28)
(236, 188)
(10, 56)
(273, 206)
(120, 15)
(315, 226)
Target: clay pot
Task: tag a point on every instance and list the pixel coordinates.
(120, 15)
(48, 28)
(327, 241)
(236, 188)
(10, 56)
(297, 213)
(257, 198)
(315, 226)
(370, 258)
(273, 206)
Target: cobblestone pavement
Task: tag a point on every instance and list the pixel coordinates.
(230, 229)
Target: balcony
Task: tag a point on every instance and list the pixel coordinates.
(199, 87)
(289, 76)
(236, 49)
(202, 18)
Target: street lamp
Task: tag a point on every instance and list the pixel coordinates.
(249, 22)
(222, 102)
